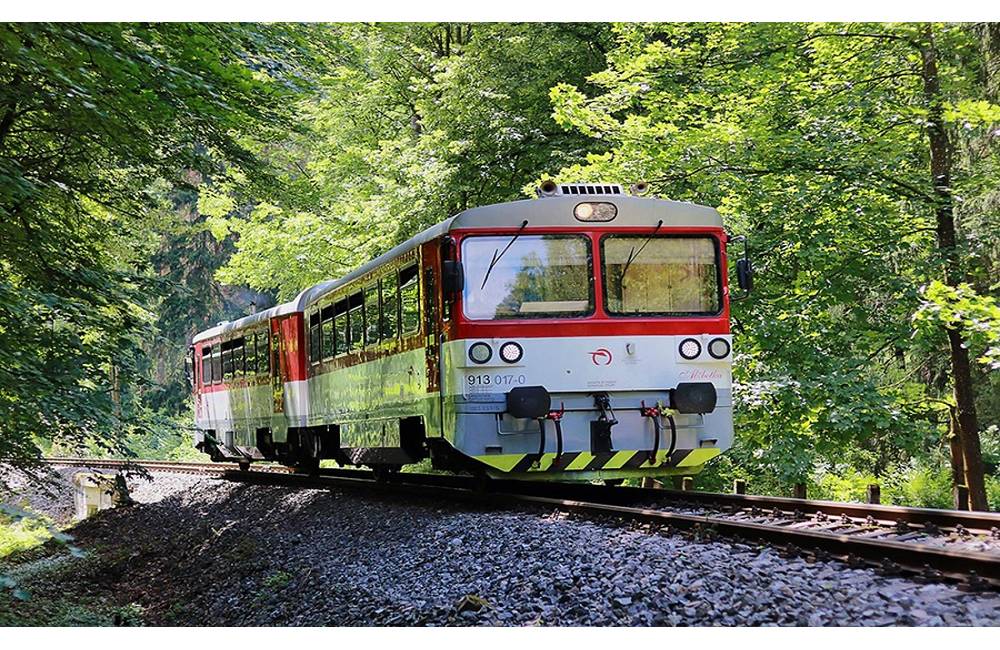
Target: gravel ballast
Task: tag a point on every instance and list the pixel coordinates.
(203, 551)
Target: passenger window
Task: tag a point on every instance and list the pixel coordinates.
(216, 365)
(227, 361)
(238, 358)
(409, 295)
(263, 353)
(327, 333)
(390, 307)
(251, 355)
(340, 326)
(356, 318)
(372, 324)
(315, 352)
(206, 366)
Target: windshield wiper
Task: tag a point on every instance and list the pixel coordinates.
(497, 253)
(632, 254)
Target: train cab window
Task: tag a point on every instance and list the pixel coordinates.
(390, 307)
(666, 275)
(206, 366)
(340, 326)
(531, 276)
(315, 345)
(372, 321)
(356, 321)
(327, 333)
(409, 298)
(216, 364)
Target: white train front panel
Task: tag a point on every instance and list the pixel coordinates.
(631, 373)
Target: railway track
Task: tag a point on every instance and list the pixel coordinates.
(926, 543)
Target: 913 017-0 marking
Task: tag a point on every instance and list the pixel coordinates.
(495, 379)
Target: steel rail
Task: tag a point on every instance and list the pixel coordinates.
(972, 567)
(643, 505)
(946, 520)
(622, 495)
(886, 514)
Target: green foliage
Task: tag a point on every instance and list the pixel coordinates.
(21, 533)
(277, 580)
(976, 317)
(810, 138)
(149, 174)
(413, 124)
(93, 119)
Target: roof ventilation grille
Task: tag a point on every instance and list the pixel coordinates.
(548, 188)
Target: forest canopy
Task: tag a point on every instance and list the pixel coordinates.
(155, 179)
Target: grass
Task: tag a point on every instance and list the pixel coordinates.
(278, 580)
(44, 581)
(22, 533)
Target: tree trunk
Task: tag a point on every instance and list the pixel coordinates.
(989, 39)
(961, 370)
(957, 461)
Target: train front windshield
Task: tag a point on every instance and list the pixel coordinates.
(549, 276)
(665, 275)
(531, 276)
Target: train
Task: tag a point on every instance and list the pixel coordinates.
(581, 335)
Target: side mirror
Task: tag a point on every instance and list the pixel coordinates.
(189, 368)
(744, 267)
(452, 278)
(744, 274)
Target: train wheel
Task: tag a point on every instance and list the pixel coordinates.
(613, 482)
(483, 483)
(384, 472)
(308, 465)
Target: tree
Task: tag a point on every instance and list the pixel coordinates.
(413, 124)
(92, 116)
(817, 141)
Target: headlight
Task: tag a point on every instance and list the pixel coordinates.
(480, 352)
(690, 349)
(719, 348)
(511, 352)
(595, 211)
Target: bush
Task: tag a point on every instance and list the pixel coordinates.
(18, 534)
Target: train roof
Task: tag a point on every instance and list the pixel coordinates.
(549, 211)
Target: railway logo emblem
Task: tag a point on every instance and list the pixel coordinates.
(601, 357)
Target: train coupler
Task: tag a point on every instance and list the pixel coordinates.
(600, 429)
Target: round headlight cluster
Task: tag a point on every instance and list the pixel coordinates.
(480, 352)
(595, 211)
(690, 348)
(511, 352)
(719, 348)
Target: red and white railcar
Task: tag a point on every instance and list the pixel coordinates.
(582, 335)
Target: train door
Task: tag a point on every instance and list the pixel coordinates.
(278, 370)
(432, 330)
(431, 309)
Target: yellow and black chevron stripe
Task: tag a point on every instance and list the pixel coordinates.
(584, 461)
